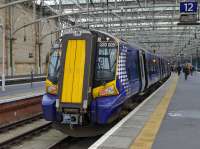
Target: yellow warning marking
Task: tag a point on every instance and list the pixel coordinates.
(72, 89)
(148, 134)
(68, 71)
(79, 72)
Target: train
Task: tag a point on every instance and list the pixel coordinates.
(91, 75)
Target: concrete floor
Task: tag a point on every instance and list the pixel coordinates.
(180, 128)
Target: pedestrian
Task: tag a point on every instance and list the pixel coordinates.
(179, 69)
(186, 71)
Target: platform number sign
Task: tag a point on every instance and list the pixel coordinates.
(188, 7)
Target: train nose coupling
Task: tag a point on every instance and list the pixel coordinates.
(71, 119)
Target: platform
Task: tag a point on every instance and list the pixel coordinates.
(168, 119)
(180, 128)
(18, 91)
(19, 79)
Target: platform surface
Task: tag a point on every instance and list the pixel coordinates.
(180, 128)
(22, 90)
(122, 135)
(168, 119)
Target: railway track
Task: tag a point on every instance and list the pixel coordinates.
(18, 131)
(12, 110)
(21, 119)
(28, 120)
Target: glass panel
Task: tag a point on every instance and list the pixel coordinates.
(105, 62)
(54, 65)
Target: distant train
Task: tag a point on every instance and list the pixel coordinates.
(91, 75)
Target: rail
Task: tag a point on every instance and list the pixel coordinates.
(12, 140)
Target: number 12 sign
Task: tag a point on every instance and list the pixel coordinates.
(188, 7)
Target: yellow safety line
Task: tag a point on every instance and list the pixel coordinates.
(148, 134)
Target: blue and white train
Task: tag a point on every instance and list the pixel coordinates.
(91, 75)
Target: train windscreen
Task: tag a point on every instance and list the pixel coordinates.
(105, 62)
(54, 65)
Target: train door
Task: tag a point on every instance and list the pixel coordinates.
(142, 71)
(75, 80)
(74, 72)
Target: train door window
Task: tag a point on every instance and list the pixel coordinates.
(141, 65)
(105, 66)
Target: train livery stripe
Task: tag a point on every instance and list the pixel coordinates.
(79, 72)
(74, 72)
(68, 71)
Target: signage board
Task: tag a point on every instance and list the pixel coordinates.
(188, 18)
(188, 7)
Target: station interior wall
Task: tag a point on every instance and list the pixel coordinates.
(25, 49)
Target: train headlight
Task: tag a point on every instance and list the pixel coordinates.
(52, 90)
(109, 89)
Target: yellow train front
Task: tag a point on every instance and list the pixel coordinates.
(91, 75)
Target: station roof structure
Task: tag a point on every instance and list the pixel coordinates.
(152, 24)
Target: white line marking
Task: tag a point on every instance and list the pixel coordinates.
(119, 124)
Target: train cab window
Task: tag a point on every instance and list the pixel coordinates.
(105, 66)
(54, 65)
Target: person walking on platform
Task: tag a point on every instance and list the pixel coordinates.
(186, 71)
(179, 69)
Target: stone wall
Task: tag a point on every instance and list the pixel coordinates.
(24, 47)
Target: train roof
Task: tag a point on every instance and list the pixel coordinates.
(126, 42)
(118, 40)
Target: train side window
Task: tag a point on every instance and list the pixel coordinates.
(132, 65)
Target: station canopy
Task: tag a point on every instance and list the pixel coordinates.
(151, 24)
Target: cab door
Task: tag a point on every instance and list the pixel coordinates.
(75, 79)
(72, 89)
(142, 71)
